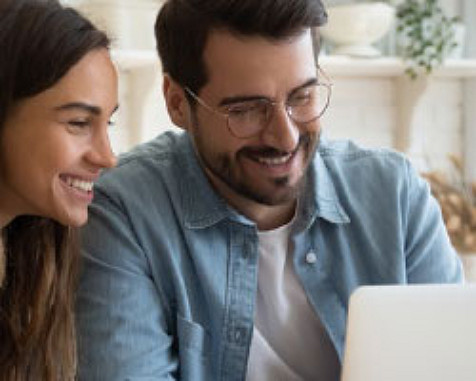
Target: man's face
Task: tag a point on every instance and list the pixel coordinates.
(268, 167)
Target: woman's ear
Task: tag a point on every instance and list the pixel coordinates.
(177, 104)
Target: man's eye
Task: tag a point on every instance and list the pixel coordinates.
(243, 108)
(300, 98)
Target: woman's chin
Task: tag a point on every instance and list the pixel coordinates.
(74, 217)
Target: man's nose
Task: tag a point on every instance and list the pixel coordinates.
(281, 131)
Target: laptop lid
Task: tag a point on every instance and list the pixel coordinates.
(411, 333)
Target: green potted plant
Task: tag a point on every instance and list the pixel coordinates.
(425, 35)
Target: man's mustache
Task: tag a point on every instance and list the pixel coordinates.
(271, 152)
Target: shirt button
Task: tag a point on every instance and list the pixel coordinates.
(237, 335)
(311, 258)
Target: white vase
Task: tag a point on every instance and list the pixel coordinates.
(353, 28)
(469, 266)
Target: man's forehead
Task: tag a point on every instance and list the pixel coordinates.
(251, 61)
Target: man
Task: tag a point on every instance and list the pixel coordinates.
(229, 252)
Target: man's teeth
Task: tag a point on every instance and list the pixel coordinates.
(274, 160)
(86, 186)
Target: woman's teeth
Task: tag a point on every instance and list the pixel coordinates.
(86, 186)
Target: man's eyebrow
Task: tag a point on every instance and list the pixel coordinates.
(243, 98)
(240, 98)
(309, 82)
(81, 106)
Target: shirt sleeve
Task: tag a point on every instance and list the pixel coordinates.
(430, 256)
(121, 316)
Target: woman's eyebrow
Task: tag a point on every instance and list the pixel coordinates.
(81, 106)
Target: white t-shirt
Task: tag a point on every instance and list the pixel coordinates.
(289, 341)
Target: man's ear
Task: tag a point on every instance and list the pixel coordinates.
(177, 104)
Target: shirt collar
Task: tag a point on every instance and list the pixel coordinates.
(203, 207)
(319, 198)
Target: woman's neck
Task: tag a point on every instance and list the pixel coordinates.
(5, 219)
(3, 261)
(8, 206)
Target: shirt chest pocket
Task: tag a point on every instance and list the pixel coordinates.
(192, 343)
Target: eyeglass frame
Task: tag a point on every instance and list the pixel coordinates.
(287, 107)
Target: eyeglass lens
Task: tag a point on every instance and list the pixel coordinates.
(246, 119)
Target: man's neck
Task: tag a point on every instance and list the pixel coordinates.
(267, 217)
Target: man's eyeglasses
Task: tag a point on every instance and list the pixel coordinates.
(248, 118)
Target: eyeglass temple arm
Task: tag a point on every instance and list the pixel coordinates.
(328, 81)
(199, 100)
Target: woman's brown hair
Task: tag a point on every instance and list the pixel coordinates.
(40, 40)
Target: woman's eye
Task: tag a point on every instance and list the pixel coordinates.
(79, 123)
(78, 126)
(112, 121)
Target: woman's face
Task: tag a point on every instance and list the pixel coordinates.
(54, 144)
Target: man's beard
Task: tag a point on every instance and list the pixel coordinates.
(222, 168)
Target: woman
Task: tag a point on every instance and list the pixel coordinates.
(58, 90)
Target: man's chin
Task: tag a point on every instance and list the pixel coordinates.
(280, 195)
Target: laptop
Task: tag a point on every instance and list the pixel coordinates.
(411, 333)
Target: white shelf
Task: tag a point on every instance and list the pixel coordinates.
(391, 67)
(334, 65)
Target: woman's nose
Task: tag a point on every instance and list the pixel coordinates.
(101, 153)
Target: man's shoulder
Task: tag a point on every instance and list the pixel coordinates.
(155, 155)
(350, 156)
(161, 149)
(348, 151)
(150, 165)
(346, 162)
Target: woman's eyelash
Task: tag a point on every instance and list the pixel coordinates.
(87, 123)
(79, 123)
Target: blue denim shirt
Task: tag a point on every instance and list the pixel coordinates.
(170, 270)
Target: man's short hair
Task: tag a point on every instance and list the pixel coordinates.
(183, 26)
